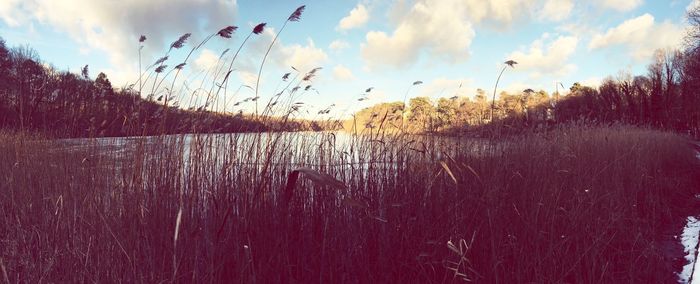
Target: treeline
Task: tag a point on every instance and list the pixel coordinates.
(422, 114)
(38, 98)
(667, 97)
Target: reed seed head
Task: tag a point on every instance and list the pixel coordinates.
(259, 28)
(308, 77)
(160, 60)
(161, 68)
(227, 31)
(296, 16)
(180, 41)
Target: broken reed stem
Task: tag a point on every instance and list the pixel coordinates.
(4, 272)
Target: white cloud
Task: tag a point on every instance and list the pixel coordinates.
(120, 78)
(14, 12)
(620, 5)
(357, 18)
(641, 36)
(435, 26)
(502, 12)
(518, 87)
(591, 82)
(556, 10)
(248, 78)
(376, 96)
(282, 55)
(338, 45)
(444, 29)
(693, 5)
(549, 59)
(114, 27)
(304, 58)
(206, 59)
(342, 73)
(444, 87)
(515, 88)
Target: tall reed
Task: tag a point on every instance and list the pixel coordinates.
(294, 17)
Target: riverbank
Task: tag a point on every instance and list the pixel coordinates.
(690, 239)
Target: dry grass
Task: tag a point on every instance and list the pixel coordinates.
(578, 205)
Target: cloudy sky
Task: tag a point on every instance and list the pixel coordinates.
(453, 46)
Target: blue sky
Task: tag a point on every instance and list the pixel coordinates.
(368, 43)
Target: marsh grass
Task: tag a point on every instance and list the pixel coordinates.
(578, 204)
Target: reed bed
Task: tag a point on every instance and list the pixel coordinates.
(577, 204)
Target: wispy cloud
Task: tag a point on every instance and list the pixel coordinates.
(591, 82)
(338, 45)
(556, 10)
(444, 87)
(620, 5)
(502, 13)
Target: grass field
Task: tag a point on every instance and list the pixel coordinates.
(577, 204)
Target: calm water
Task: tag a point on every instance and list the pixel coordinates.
(343, 147)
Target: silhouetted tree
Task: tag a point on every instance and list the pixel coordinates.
(446, 112)
(5, 69)
(420, 112)
(104, 87)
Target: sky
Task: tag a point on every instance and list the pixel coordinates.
(453, 46)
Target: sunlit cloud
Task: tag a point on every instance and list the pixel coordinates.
(641, 36)
(358, 17)
(342, 73)
(547, 57)
(206, 59)
(435, 27)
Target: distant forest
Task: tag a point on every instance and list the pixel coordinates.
(35, 97)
